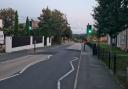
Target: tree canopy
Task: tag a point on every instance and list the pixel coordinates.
(8, 17)
(54, 23)
(16, 25)
(111, 16)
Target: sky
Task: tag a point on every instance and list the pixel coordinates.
(78, 12)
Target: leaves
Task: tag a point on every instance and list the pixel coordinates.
(26, 31)
(54, 23)
(16, 25)
(111, 16)
(8, 17)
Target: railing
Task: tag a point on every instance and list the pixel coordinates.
(38, 39)
(20, 41)
(116, 61)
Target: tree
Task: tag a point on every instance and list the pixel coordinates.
(59, 25)
(67, 33)
(45, 22)
(124, 13)
(16, 25)
(8, 17)
(108, 17)
(53, 23)
(21, 26)
(27, 26)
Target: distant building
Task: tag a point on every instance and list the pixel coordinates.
(1, 33)
(122, 40)
(1, 24)
(35, 24)
(103, 39)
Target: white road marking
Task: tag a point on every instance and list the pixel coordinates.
(9, 77)
(58, 83)
(49, 56)
(33, 63)
(25, 68)
(76, 79)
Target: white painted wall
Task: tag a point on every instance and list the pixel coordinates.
(49, 41)
(40, 44)
(8, 45)
(109, 40)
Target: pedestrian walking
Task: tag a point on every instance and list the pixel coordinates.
(85, 43)
(94, 49)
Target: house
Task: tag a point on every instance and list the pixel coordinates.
(1, 24)
(122, 40)
(1, 33)
(103, 39)
(34, 24)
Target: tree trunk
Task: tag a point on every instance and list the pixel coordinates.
(116, 40)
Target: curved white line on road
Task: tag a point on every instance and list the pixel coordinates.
(9, 77)
(61, 78)
(33, 63)
(25, 68)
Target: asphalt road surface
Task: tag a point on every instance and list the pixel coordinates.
(58, 72)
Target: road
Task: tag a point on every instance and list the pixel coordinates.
(58, 72)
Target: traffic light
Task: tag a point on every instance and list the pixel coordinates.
(89, 29)
(30, 25)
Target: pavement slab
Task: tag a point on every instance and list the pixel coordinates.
(93, 74)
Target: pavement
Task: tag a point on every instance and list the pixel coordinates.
(93, 74)
(68, 68)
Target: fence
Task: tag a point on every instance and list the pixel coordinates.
(21, 43)
(117, 63)
(38, 39)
